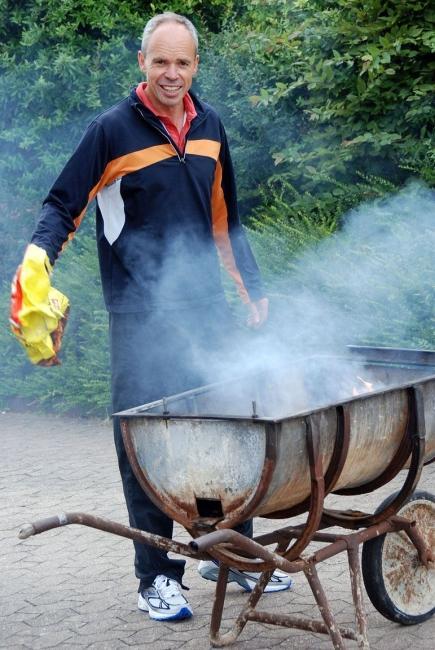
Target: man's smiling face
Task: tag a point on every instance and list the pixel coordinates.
(169, 64)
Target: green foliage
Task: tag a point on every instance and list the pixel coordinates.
(209, 15)
(327, 105)
(226, 80)
(60, 64)
(288, 222)
(352, 81)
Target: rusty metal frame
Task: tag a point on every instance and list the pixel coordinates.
(203, 548)
(399, 458)
(272, 430)
(335, 544)
(315, 511)
(335, 467)
(417, 435)
(317, 494)
(107, 526)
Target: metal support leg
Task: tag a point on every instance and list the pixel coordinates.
(357, 596)
(218, 605)
(324, 609)
(217, 640)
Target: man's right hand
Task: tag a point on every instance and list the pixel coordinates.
(38, 312)
(258, 313)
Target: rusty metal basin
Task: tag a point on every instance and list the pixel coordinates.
(228, 451)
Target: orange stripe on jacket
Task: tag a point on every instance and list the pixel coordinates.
(221, 235)
(208, 148)
(125, 165)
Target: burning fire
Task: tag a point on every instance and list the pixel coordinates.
(366, 387)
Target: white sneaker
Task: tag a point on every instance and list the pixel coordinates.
(278, 581)
(164, 600)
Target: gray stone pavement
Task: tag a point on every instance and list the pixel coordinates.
(74, 587)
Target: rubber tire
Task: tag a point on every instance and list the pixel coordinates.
(371, 564)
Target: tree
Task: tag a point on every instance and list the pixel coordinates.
(338, 87)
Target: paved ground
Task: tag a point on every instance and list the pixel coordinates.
(75, 588)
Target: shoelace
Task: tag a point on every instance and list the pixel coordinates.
(166, 587)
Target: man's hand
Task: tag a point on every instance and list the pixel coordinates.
(258, 312)
(38, 311)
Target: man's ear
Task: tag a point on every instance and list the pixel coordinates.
(196, 65)
(141, 61)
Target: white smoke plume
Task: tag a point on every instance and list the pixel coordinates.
(371, 283)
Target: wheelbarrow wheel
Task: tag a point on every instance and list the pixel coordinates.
(400, 587)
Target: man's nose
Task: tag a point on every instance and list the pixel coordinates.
(172, 71)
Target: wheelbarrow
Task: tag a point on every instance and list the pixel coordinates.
(274, 445)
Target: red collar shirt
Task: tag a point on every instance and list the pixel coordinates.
(179, 137)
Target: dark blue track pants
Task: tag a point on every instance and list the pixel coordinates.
(154, 355)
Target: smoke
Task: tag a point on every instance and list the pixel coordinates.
(371, 283)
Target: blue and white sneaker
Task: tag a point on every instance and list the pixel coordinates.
(164, 601)
(279, 581)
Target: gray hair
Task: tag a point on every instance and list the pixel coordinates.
(167, 17)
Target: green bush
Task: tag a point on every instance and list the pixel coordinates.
(288, 221)
(337, 87)
(327, 104)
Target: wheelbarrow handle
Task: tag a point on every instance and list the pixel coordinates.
(41, 525)
(108, 526)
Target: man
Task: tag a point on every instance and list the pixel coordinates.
(159, 166)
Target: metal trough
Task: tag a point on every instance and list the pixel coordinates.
(215, 456)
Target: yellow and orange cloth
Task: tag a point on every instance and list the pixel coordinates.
(38, 311)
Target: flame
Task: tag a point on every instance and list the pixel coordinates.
(366, 387)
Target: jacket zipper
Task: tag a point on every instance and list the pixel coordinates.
(181, 158)
(164, 134)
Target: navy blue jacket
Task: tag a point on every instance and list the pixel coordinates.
(163, 215)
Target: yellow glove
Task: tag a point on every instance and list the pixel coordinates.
(38, 311)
